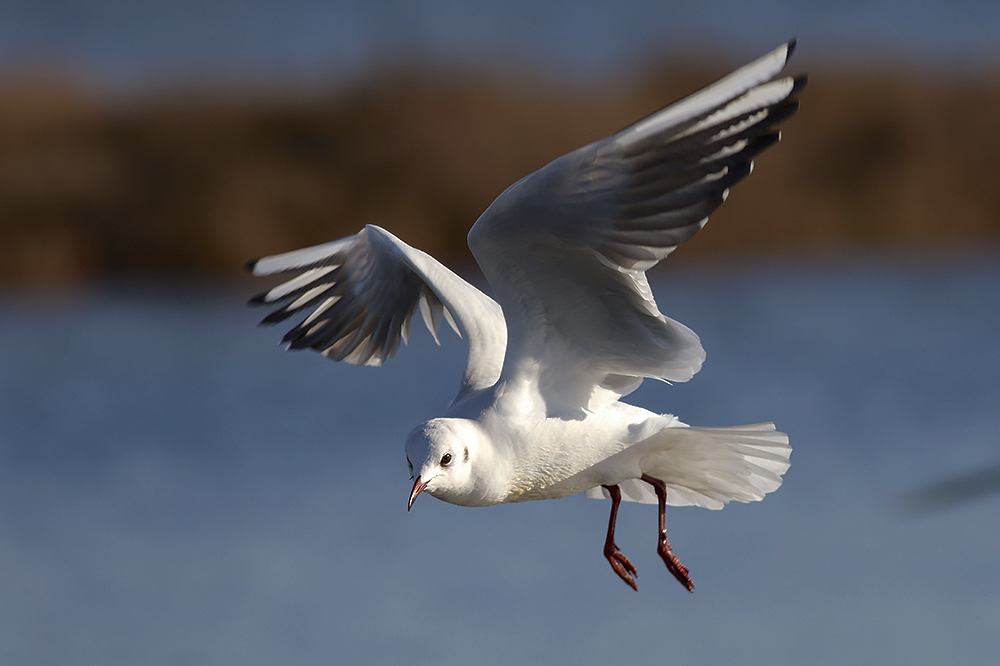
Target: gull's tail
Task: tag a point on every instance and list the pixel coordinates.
(708, 467)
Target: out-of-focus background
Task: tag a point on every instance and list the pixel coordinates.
(173, 486)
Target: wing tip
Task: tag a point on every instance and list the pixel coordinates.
(276, 317)
(251, 266)
(798, 83)
(259, 299)
(295, 340)
(790, 47)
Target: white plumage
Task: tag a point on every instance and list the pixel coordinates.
(574, 326)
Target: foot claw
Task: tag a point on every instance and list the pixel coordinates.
(674, 565)
(625, 569)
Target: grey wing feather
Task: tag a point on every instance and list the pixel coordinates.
(566, 247)
(361, 293)
(658, 180)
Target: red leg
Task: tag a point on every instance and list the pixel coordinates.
(674, 565)
(618, 561)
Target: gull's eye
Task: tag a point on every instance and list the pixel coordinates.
(445, 460)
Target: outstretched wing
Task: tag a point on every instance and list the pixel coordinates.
(361, 292)
(566, 248)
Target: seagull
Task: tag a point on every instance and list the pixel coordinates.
(573, 327)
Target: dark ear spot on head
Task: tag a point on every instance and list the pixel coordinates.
(466, 455)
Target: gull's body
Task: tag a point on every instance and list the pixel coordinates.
(574, 326)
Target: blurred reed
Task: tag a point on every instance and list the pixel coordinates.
(191, 184)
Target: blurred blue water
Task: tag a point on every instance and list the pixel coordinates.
(174, 488)
(146, 43)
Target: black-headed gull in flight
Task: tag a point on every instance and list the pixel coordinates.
(574, 326)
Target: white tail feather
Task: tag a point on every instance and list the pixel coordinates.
(708, 467)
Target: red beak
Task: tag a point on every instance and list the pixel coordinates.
(418, 487)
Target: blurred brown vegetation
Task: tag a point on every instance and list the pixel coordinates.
(192, 185)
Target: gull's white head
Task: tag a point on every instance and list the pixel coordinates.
(445, 455)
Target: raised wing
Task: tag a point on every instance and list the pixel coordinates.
(361, 292)
(566, 248)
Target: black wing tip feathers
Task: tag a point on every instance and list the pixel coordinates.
(762, 143)
(258, 300)
(295, 339)
(250, 265)
(276, 317)
(790, 47)
(798, 83)
(783, 112)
